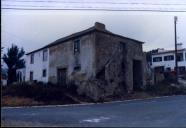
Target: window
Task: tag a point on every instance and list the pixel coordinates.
(168, 58)
(44, 72)
(77, 67)
(157, 59)
(31, 76)
(180, 56)
(45, 55)
(32, 58)
(76, 46)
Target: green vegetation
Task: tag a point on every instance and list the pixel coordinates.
(13, 59)
(164, 89)
(48, 94)
(40, 94)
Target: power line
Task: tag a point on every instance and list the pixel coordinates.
(82, 6)
(142, 10)
(127, 3)
(93, 5)
(30, 7)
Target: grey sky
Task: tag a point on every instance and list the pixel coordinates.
(34, 29)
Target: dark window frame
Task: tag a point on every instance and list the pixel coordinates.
(155, 59)
(32, 58)
(44, 73)
(45, 55)
(180, 57)
(76, 46)
(168, 57)
(77, 67)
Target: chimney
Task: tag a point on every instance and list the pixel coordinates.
(99, 26)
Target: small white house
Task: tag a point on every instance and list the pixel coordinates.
(165, 60)
(37, 63)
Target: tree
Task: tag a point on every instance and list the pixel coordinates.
(13, 60)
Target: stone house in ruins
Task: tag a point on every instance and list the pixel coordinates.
(100, 62)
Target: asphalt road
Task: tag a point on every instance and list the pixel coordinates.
(164, 112)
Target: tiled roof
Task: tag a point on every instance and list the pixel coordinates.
(81, 33)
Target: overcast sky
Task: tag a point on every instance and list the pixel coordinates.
(34, 29)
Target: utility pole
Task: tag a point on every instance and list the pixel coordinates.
(176, 61)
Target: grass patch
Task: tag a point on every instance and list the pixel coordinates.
(40, 94)
(164, 89)
(19, 101)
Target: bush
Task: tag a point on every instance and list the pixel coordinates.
(40, 91)
(165, 89)
(169, 77)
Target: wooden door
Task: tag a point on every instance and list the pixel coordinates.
(62, 76)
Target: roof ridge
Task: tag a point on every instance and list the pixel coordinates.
(80, 33)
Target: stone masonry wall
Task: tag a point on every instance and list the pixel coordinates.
(113, 67)
(106, 64)
(120, 53)
(62, 56)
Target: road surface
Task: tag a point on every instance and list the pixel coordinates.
(165, 111)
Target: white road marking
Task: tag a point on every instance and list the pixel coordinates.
(95, 120)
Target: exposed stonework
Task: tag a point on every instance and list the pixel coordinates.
(62, 56)
(117, 55)
(106, 63)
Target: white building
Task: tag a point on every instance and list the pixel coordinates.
(20, 74)
(164, 60)
(37, 63)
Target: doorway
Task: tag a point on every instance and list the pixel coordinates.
(137, 75)
(31, 76)
(62, 76)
